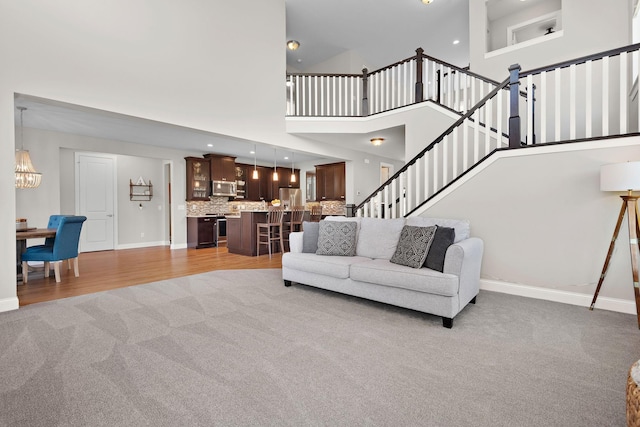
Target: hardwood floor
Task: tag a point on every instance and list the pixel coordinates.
(101, 271)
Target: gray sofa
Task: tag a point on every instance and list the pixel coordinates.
(369, 274)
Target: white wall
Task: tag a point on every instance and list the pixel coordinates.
(545, 223)
(589, 26)
(53, 155)
(349, 62)
(191, 63)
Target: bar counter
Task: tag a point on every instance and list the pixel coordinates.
(242, 232)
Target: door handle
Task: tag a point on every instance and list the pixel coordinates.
(109, 215)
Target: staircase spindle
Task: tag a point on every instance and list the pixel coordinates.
(605, 96)
(588, 104)
(624, 97)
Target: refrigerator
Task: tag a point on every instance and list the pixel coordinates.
(290, 197)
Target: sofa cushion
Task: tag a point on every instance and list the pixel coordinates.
(332, 266)
(385, 273)
(378, 238)
(443, 238)
(310, 237)
(461, 226)
(413, 246)
(337, 238)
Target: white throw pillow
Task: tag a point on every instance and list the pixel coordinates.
(378, 238)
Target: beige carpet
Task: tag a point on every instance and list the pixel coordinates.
(237, 348)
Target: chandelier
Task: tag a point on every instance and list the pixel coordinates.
(26, 175)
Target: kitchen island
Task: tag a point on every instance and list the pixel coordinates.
(242, 232)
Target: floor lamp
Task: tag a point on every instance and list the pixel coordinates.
(623, 177)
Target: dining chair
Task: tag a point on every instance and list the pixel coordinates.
(270, 232)
(63, 246)
(316, 213)
(296, 216)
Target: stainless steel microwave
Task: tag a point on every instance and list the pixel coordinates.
(223, 188)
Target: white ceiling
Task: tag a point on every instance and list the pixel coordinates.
(380, 31)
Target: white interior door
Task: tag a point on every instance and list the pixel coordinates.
(95, 174)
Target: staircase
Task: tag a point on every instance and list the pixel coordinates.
(593, 97)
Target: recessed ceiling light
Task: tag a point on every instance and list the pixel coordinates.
(293, 44)
(209, 145)
(456, 41)
(377, 141)
(252, 152)
(286, 157)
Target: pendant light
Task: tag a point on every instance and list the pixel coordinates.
(293, 172)
(275, 171)
(26, 175)
(255, 165)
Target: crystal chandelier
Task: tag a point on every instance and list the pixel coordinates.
(26, 175)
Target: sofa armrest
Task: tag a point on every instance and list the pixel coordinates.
(295, 241)
(464, 259)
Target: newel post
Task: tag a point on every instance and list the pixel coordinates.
(365, 92)
(419, 84)
(514, 113)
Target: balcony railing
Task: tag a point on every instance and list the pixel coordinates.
(416, 79)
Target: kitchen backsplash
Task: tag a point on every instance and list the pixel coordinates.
(215, 205)
(223, 205)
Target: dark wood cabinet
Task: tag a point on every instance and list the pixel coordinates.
(223, 168)
(284, 174)
(265, 188)
(198, 178)
(330, 181)
(252, 185)
(201, 232)
(241, 181)
(339, 181)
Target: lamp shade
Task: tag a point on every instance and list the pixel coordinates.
(620, 177)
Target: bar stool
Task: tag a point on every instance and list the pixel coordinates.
(270, 231)
(316, 213)
(294, 223)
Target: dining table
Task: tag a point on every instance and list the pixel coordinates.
(21, 243)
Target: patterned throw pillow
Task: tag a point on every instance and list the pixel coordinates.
(337, 238)
(413, 245)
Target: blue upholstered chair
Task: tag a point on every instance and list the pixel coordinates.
(63, 246)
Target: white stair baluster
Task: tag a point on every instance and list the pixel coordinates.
(624, 97)
(542, 95)
(588, 93)
(605, 96)
(530, 107)
(558, 112)
(572, 101)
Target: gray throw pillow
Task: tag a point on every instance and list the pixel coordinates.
(443, 238)
(413, 246)
(310, 237)
(337, 238)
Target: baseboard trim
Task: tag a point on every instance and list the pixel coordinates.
(178, 246)
(141, 245)
(566, 297)
(9, 304)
